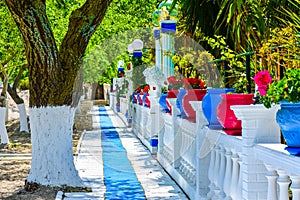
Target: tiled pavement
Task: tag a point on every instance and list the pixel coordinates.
(154, 180)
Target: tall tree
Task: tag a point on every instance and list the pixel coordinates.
(52, 73)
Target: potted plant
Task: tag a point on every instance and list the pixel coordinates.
(171, 91)
(285, 92)
(195, 91)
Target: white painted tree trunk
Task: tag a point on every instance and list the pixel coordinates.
(3, 131)
(23, 118)
(52, 156)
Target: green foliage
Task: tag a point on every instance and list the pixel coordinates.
(24, 84)
(58, 13)
(281, 49)
(120, 26)
(287, 89)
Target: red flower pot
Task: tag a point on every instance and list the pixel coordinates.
(192, 95)
(172, 93)
(225, 115)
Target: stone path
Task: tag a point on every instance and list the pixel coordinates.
(154, 180)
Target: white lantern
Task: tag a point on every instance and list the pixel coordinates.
(137, 44)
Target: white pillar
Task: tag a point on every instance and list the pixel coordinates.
(258, 126)
(239, 194)
(221, 172)
(167, 49)
(228, 173)
(295, 186)
(216, 172)
(283, 182)
(272, 182)
(235, 175)
(211, 174)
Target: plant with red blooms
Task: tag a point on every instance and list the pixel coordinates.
(146, 88)
(142, 88)
(262, 80)
(195, 83)
(286, 89)
(138, 89)
(174, 83)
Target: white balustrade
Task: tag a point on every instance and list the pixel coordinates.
(211, 174)
(251, 166)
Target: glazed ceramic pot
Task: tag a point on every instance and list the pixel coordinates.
(210, 103)
(192, 95)
(288, 119)
(225, 115)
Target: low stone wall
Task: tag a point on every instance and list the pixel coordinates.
(86, 106)
(83, 122)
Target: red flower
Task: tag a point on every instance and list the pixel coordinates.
(172, 80)
(138, 89)
(146, 88)
(263, 78)
(195, 83)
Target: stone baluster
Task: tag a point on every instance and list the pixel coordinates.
(295, 186)
(283, 182)
(177, 138)
(272, 182)
(239, 193)
(216, 172)
(235, 175)
(222, 172)
(211, 174)
(228, 174)
(258, 126)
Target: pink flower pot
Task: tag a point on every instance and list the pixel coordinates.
(226, 116)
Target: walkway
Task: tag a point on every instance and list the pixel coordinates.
(114, 163)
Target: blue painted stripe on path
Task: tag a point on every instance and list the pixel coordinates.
(119, 177)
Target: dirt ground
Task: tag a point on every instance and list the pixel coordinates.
(13, 172)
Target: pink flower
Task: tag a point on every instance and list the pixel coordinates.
(263, 78)
(262, 90)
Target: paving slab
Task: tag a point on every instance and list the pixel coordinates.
(156, 183)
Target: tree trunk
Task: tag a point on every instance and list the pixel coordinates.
(52, 74)
(23, 118)
(22, 109)
(51, 146)
(3, 131)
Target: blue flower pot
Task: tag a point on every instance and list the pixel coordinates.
(210, 103)
(118, 108)
(163, 103)
(179, 102)
(288, 119)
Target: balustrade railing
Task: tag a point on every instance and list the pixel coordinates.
(209, 164)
